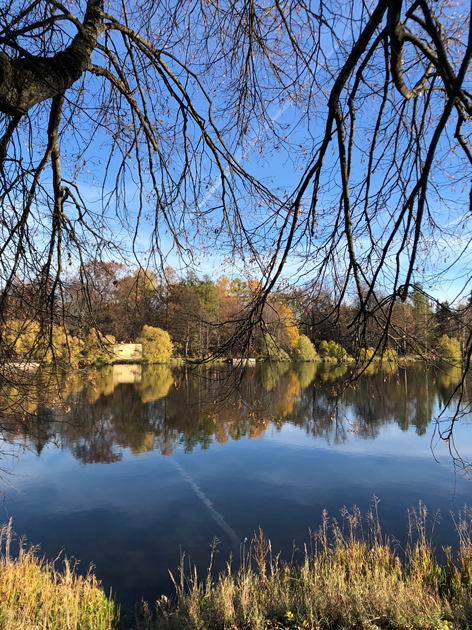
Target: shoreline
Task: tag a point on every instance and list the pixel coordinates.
(353, 577)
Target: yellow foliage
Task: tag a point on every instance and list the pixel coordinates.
(223, 285)
(98, 348)
(99, 383)
(306, 373)
(238, 289)
(304, 350)
(155, 383)
(157, 346)
(20, 336)
(271, 372)
(145, 445)
(253, 286)
(332, 373)
(290, 325)
(25, 339)
(449, 350)
(289, 394)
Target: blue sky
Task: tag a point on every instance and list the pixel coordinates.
(444, 263)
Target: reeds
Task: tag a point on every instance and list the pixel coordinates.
(34, 595)
(350, 576)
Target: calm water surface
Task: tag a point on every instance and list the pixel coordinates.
(142, 466)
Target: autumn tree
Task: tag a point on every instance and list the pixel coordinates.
(157, 345)
(304, 350)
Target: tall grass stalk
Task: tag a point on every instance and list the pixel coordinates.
(350, 576)
(35, 595)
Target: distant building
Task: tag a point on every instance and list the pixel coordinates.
(128, 351)
(242, 362)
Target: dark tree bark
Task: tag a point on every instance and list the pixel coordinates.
(31, 80)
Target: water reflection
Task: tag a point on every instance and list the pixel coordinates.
(141, 409)
(298, 449)
(125, 373)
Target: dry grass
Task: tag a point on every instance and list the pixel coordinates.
(351, 577)
(35, 596)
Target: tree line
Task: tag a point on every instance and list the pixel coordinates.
(201, 315)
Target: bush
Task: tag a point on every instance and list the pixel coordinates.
(390, 355)
(332, 349)
(366, 354)
(65, 348)
(157, 345)
(98, 348)
(272, 352)
(25, 339)
(449, 349)
(304, 350)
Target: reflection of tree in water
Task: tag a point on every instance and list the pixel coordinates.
(332, 373)
(317, 414)
(285, 395)
(447, 377)
(163, 409)
(271, 373)
(391, 396)
(406, 397)
(155, 382)
(306, 373)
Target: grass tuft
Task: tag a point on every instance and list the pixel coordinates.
(35, 596)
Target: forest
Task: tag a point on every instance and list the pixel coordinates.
(201, 316)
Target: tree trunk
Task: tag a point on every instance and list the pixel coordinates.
(31, 80)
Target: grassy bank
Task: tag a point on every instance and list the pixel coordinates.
(350, 576)
(36, 595)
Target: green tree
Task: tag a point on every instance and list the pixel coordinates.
(98, 348)
(272, 352)
(205, 289)
(424, 321)
(304, 350)
(449, 349)
(332, 349)
(157, 345)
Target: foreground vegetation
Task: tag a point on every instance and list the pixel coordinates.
(34, 594)
(350, 577)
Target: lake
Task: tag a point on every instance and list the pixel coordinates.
(146, 463)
